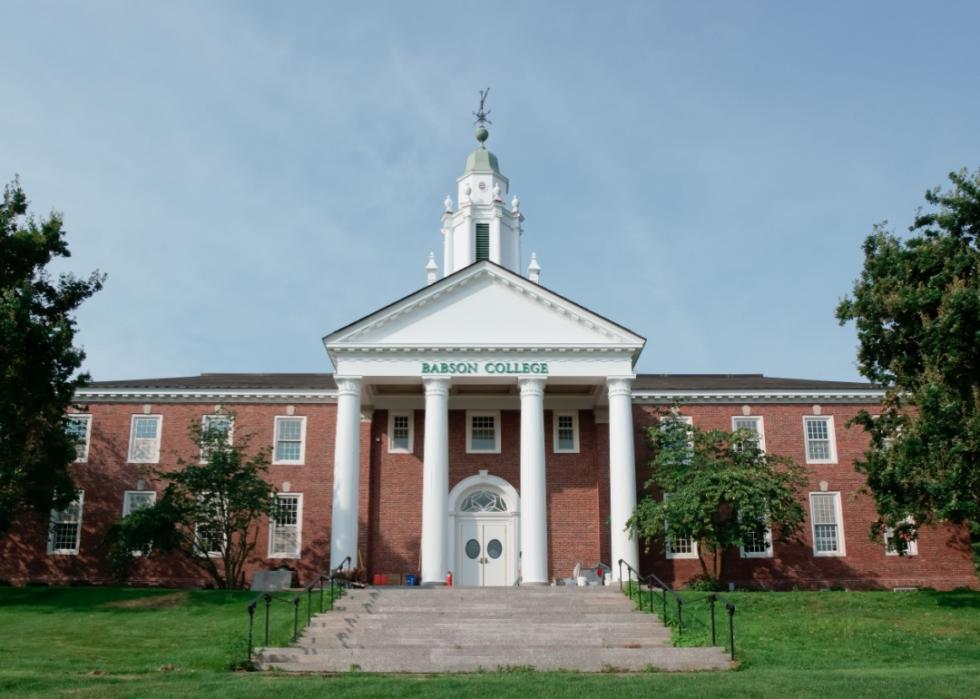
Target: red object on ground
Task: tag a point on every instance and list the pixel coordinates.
(449, 578)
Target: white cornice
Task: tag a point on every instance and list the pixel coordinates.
(666, 397)
(176, 395)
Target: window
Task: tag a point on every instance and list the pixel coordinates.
(79, 429)
(899, 546)
(144, 439)
(209, 534)
(483, 501)
(219, 423)
(689, 439)
(483, 432)
(758, 543)
(677, 546)
(828, 529)
(285, 526)
(66, 528)
(290, 438)
(819, 433)
(482, 241)
(137, 500)
(751, 424)
(400, 433)
(566, 433)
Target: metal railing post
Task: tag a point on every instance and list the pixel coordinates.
(268, 603)
(664, 591)
(731, 628)
(711, 602)
(620, 574)
(321, 594)
(309, 605)
(295, 618)
(680, 617)
(650, 594)
(251, 621)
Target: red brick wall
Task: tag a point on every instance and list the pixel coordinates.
(391, 500)
(943, 560)
(107, 475)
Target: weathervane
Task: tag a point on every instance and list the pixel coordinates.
(482, 113)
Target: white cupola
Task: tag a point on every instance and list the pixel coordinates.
(482, 227)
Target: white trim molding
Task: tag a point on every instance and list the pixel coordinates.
(739, 397)
(276, 461)
(838, 523)
(556, 415)
(495, 414)
(409, 447)
(828, 420)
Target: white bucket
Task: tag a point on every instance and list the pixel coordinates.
(582, 581)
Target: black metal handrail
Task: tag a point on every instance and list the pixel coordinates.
(323, 579)
(652, 581)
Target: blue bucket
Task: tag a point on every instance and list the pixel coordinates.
(411, 580)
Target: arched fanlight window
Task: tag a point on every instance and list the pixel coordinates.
(483, 501)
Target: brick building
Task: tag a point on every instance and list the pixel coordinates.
(483, 425)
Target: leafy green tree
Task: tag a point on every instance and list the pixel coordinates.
(718, 488)
(38, 360)
(916, 306)
(209, 512)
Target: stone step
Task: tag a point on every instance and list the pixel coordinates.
(426, 660)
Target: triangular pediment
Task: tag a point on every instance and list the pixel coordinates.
(485, 306)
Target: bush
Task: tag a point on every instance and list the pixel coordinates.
(704, 583)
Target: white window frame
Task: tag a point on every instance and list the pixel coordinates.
(128, 507)
(197, 538)
(760, 428)
(55, 516)
(678, 555)
(498, 428)
(839, 517)
(155, 458)
(204, 426)
(276, 461)
(831, 438)
(913, 545)
(392, 447)
(84, 446)
(299, 528)
(767, 534)
(575, 433)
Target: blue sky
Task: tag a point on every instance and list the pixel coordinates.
(253, 176)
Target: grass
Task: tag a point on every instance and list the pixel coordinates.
(94, 642)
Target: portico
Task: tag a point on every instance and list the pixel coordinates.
(559, 357)
(489, 341)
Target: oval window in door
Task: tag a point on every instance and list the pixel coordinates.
(494, 548)
(472, 548)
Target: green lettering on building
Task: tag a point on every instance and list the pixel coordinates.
(485, 368)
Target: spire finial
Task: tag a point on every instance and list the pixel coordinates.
(481, 115)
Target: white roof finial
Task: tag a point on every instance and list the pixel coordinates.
(534, 269)
(448, 203)
(431, 269)
(515, 204)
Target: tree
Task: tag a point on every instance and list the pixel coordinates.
(38, 360)
(209, 512)
(717, 488)
(917, 310)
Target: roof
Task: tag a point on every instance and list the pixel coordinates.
(741, 382)
(643, 382)
(227, 381)
(481, 160)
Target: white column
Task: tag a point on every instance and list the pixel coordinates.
(346, 472)
(534, 493)
(435, 482)
(622, 473)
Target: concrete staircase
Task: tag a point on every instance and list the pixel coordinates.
(589, 629)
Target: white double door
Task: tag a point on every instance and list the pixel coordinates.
(483, 552)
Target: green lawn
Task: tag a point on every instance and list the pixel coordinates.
(92, 642)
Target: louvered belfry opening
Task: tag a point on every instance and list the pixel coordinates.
(482, 241)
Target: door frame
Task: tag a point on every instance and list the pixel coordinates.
(484, 481)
